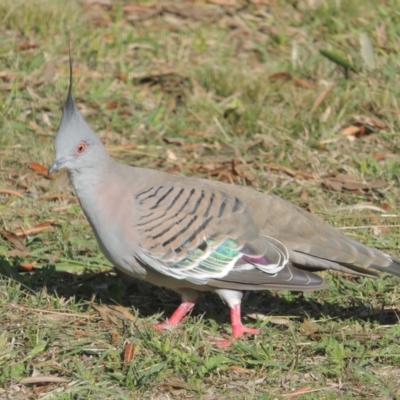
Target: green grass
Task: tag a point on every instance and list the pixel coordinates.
(187, 94)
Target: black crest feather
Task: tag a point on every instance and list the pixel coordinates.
(69, 105)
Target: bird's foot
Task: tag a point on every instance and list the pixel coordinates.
(222, 343)
(176, 317)
(162, 326)
(237, 332)
(238, 329)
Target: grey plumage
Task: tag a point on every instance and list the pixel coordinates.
(194, 235)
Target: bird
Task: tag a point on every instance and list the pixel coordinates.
(194, 235)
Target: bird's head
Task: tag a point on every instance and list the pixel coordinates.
(77, 147)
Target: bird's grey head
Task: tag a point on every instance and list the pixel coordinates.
(77, 146)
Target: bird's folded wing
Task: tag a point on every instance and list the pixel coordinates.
(196, 233)
(289, 278)
(315, 245)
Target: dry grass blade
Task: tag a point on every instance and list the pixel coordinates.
(321, 97)
(43, 379)
(38, 310)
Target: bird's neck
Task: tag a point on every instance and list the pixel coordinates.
(89, 180)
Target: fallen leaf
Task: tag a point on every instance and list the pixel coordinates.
(353, 130)
(171, 155)
(297, 392)
(46, 119)
(26, 267)
(80, 333)
(283, 75)
(309, 327)
(13, 86)
(13, 239)
(11, 192)
(238, 170)
(112, 313)
(372, 121)
(379, 156)
(105, 313)
(380, 230)
(201, 135)
(7, 76)
(170, 81)
(225, 176)
(351, 182)
(103, 3)
(190, 11)
(129, 352)
(35, 230)
(121, 77)
(385, 206)
(17, 253)
(304, 194)
(175, 383)
(55, 196)
(122, 312)
(137, 12)
(303, 83)
(110, 105)
(326, 114)
(261, 2)
(114, 338)
(289, 171)
(223, 2)
(241, 370)
(134, 8)
(40, 169)
(27, 46)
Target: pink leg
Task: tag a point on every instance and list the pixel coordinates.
(176, 317)
(238, 329)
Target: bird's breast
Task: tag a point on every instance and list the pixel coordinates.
(110, 212)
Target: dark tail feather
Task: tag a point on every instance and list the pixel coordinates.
(393, 268)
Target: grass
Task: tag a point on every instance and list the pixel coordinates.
(187, 87)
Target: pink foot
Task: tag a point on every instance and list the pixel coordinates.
(238, 329)
(176, 317)
(222, 343)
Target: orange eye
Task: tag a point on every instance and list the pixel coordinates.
(81, 148)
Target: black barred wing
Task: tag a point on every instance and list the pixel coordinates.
(198, 233)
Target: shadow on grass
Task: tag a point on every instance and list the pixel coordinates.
(111, 288)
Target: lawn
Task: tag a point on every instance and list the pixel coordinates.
(299, 98)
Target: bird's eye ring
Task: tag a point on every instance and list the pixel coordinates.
(81, 148)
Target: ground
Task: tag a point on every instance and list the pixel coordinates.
(298, 98)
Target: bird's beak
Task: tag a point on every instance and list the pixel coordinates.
(57, 164)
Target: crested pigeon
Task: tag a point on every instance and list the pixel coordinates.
(194, 235)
